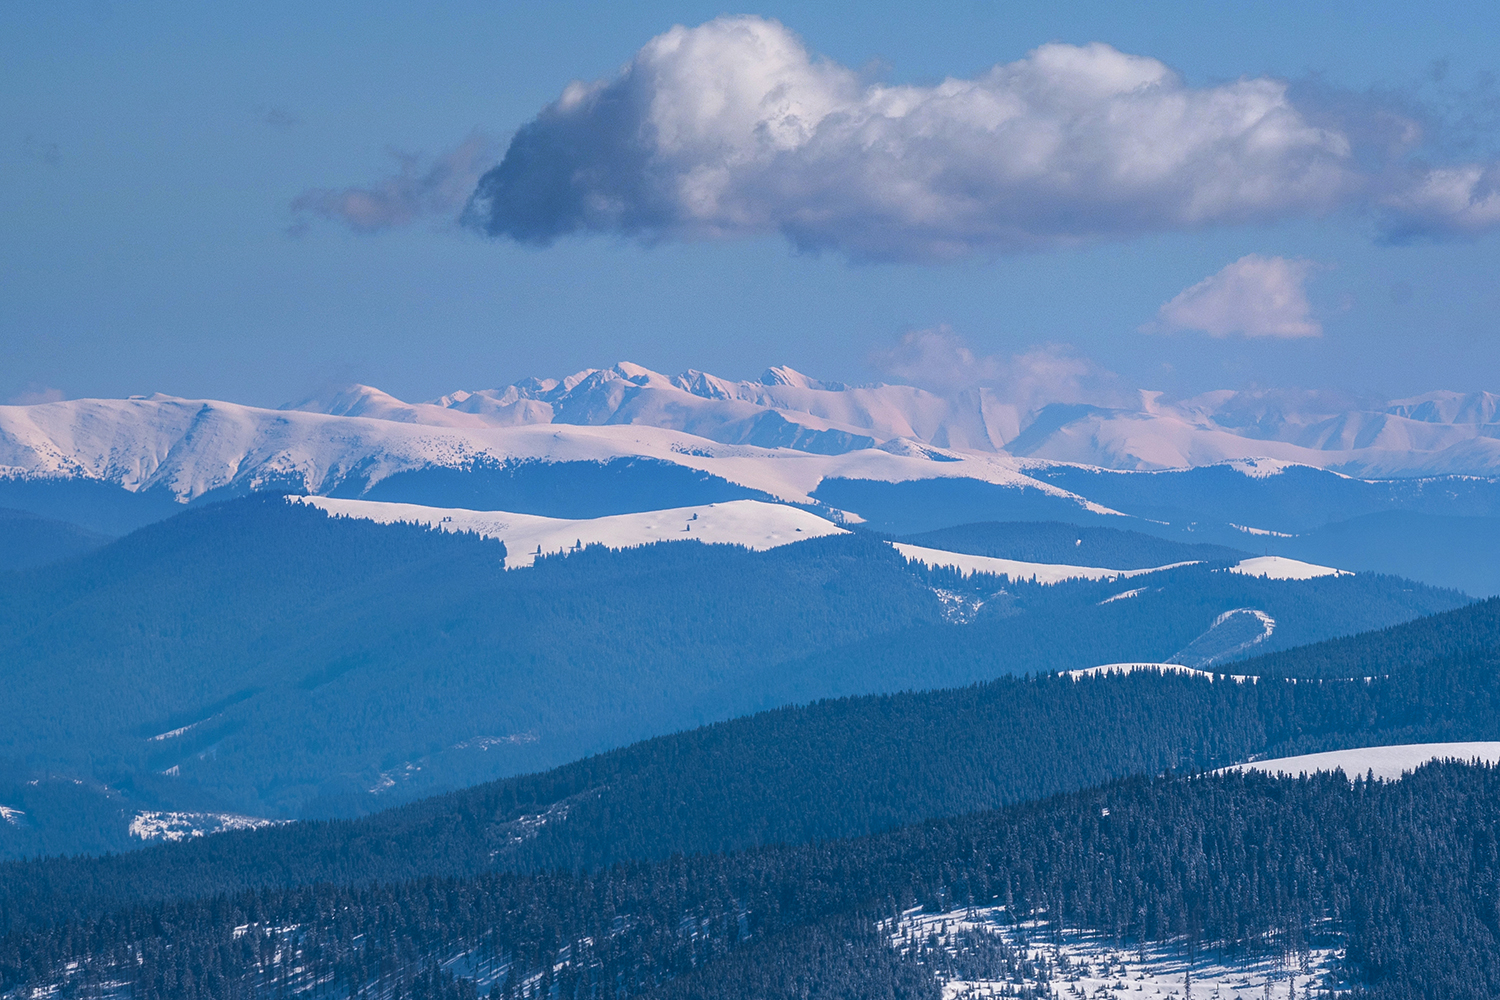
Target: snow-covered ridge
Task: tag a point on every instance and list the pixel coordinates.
(1387, 762)
(779, 436)
(1016, 569)
(1122, 669)
(1282, 568)
(188, 448)
(1260, 433)
(751, 523)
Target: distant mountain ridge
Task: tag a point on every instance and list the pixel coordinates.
(190, 447)
(1432, 434)
(1244, 469)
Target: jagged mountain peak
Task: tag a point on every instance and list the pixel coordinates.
(1445, 407)
(783, 375)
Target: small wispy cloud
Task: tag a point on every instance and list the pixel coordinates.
(937, 359)
(49, 153)
(34, 394)
(420, 188)
(278, 118)
(1255, 296)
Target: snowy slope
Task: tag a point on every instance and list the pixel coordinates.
(1015, 568)
(750, 523)
(193, 447)
(1388, 762)
(784, 408)
(1439, 433)
(1282, 568)
(779, 436)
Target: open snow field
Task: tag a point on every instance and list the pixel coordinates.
(1388, 763)
(1282, 568)
(751, 523)
(1079, 964)
(754, 524)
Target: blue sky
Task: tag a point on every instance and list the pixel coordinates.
(152, 155)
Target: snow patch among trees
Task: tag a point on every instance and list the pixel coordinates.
(1121, 669)
(175, 826)
(985, 953)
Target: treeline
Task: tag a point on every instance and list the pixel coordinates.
(1401, 875)
(1071, 545)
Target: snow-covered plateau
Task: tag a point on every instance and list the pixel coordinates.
(1282, 568)
(750, 523)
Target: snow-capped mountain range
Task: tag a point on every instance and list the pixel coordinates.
(779, 436)
(1436, 433)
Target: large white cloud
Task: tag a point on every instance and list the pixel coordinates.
(733, 128)
(1255, 296)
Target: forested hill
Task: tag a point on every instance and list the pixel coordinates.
(261, 658)
(1070, 545)
(1399, 875)
(1390, 650)
(831, 769)
(28, 539)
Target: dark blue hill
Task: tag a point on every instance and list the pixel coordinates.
(28, 539)
(259, 657)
